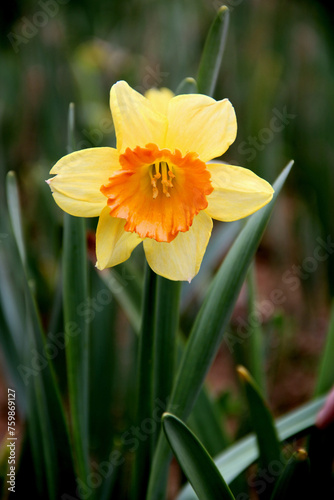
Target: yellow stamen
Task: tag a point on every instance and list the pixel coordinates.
(162, 171)
(154, 180)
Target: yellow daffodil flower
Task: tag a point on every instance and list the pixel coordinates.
(159, 186)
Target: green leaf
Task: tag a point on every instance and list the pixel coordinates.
(75, 299)
(209, 327)
(195, 461)
(294, 482)
(205, 421)
(104, 362)
(261, 419)
(187, 86)
(13, 202)
(46, 420)
(213, 52)
(326, 370)
(12, 333)
(242, 454)
(203, 418)
(253, 344)
(220, 241)
(123, 285)
(103, 358)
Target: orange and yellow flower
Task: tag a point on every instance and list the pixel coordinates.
(159, 186)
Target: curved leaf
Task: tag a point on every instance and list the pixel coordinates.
(209, 327)
(213, 52)
(261, 419)
(75, 296)
(195, 461)
(326, 369)
(242, 454)
(187, 86)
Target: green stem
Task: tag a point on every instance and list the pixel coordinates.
(145, 371)
(167, 323)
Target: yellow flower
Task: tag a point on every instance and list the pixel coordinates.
(159, 185)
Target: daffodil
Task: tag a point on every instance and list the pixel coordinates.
(159, 185)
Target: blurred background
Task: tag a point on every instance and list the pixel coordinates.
(278, 72)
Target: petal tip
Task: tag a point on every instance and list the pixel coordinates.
(119, 83)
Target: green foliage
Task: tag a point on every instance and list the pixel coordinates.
(195, 460)
(209, 327)
(261, 419)
(213, 52)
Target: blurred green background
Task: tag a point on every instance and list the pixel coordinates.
(278, 72)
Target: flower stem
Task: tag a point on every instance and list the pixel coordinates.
(167, 323)
(145, 375)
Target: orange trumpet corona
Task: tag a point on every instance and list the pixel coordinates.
(158, 192)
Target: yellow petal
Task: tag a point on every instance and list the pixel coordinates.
(181, 259)
(160, 99)
(199, 123)
(113, 244)
(237, 192)
(79, 176)
(135, 120)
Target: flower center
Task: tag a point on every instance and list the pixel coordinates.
(158, 192)
(164, 174)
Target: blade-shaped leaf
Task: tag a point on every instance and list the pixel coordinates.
(254, 343)
(242, 454)
(213, 52)
(326, 370)
(9, 345)
(75, 297)
(15, 213)
(46, 420)
(104, 361)
(209, 327)
(187, 86)
(195, 461)
(261, 419)
(123, 287)
(205, 421)
(220, 241)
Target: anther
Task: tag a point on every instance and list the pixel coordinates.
(162, 172)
